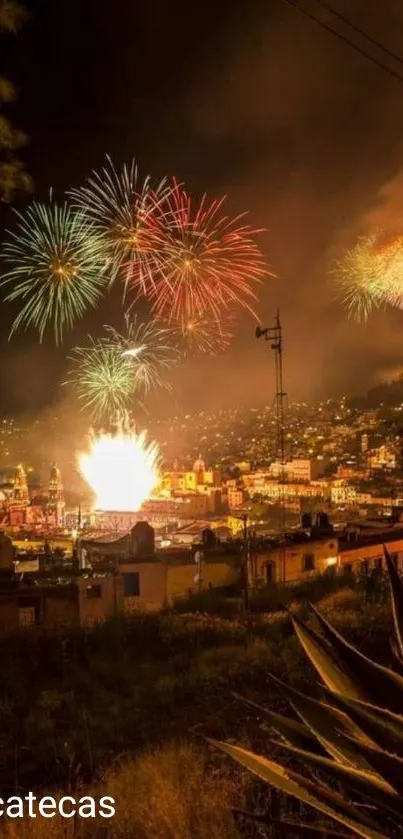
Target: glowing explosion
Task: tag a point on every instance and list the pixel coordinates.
(122, 469)
(370, 275)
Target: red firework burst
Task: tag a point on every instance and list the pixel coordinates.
(202, 261)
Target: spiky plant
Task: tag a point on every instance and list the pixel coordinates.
(350, 742)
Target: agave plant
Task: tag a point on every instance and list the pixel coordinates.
(350, 741)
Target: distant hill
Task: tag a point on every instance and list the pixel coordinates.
(389, 394)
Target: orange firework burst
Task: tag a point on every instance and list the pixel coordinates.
(208, 335)
(203, 261)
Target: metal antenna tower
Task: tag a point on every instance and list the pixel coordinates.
(275, 336)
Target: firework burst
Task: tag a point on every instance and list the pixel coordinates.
(122, 468)
(148, 347)
(103, 379)
(122, 207)
(390, 260)
(203, 261)
(371, 275)
(57, 264)
(359, 279)
(204, 334)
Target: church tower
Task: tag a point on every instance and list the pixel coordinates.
(56, 505)
(20, 494)
(199, 468)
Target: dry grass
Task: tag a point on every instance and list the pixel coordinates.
(172, 794)
(169, 793)
(345, 600)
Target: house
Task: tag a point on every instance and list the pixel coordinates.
(361, 549)
(53, 602)
(153, 578)
(293, 560)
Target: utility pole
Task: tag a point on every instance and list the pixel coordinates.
(245, 559)
(245, 562)
(274, 335)
(198, 579)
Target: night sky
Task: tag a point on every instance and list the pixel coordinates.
(247, 98)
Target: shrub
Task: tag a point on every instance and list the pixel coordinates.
(343, 600)
(276, 596)
(213, 602)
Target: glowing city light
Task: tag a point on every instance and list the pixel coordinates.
(122, 469)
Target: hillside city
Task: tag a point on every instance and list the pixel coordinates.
(337, 457)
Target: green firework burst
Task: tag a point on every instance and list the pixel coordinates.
(56, 266)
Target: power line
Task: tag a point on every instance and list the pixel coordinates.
(361, 31)
(345, 40)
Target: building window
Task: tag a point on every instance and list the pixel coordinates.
(131, 584)
(94, 591)
(27, 616)
(308, 562)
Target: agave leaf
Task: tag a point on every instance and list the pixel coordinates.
(314, 794)
(396, 588)
(388, 766)
(363, 783)
(330, 669)
(293, 827)
(383, 727)
(330, 725)
(295, 733)
(396, 654)
(373, 682)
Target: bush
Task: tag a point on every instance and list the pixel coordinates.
(277, 596)
(213, 602)
(341, 601)
(200, 630)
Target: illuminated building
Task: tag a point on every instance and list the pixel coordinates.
(235, 495)
(19, 498)
(298, 560)
(196, 480)
(55, 508)
(20, 494)
(342, 493)
(274, 490)
(199, 468)
(382, 458)
(304, 470)
(159, 512)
